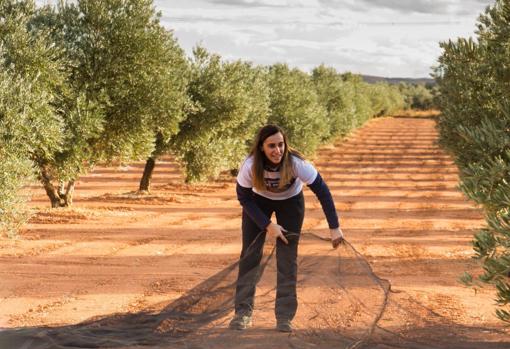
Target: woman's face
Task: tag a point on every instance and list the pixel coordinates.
(274, 147)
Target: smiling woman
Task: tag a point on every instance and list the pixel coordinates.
(271, 181)
(273, 148)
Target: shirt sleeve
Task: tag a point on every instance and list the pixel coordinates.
(245, 197)
(321, 190)
(304, 170)
(244, 177)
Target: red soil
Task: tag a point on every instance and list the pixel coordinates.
(118, 252)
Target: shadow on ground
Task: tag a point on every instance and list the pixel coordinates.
(348, 315)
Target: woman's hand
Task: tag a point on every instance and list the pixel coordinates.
(276, 231)
(337, 237)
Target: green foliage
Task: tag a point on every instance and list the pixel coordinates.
(109, 77)
(363, 107)
(295, 106)
(170, 94)
(103, 80)
(474, 83)
(125, 84)
(418, 96)
(232, 100)
(349, 101)
(124, 62)
(33, 62)
(385, 99)
(29, 124)
(336, 96)
(17, 104)
(230, 104)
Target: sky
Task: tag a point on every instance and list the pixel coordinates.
(390, 38)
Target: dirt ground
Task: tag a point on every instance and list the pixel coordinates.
(126, 263)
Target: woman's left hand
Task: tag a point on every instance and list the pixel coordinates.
(337, 237)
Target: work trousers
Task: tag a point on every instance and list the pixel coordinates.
(289, 214)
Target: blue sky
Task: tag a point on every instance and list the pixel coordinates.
(392, 38)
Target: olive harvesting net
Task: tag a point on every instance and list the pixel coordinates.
(346, 302)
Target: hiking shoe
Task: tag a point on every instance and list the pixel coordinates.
(284, 326)
(240, 322)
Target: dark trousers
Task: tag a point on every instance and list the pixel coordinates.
(289, 214)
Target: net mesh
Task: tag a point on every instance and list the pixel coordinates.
(342, 304)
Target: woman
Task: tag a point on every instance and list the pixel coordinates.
(271, 180)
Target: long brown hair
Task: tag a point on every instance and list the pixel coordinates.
(286, 170)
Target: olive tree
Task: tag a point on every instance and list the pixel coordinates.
(230, 102)
(418, 96)
(295, 106)
(172, 100)
(30, 126)
(124, 91)
(473, 81)
(336, 96)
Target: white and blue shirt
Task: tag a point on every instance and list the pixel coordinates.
(304, 172)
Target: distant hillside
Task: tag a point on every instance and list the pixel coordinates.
(374, 79)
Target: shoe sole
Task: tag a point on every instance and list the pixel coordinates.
(240, 327)
(285, 330)
(284, 327)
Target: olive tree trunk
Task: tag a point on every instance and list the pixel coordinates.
(61, 196)
(145, 182)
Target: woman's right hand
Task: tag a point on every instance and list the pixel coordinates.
(276, 231)
(337, 237)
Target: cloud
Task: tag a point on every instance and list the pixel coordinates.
(389, 38)
(376, 37)
(359, 51)
(443, 7)
(251, 3)
(265, 3)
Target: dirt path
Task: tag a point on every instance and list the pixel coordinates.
(121, 262)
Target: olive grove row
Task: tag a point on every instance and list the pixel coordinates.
(474, 83)
(93, 81)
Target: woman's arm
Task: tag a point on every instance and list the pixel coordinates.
(244, 195)
(321, 190)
